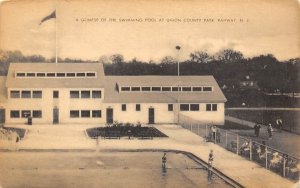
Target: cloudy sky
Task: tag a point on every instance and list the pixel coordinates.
(84, 28)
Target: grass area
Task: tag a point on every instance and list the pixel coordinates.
(117, 131)
(231, 125)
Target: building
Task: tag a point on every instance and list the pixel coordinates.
(72, 93)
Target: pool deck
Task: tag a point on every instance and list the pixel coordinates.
(71, 137)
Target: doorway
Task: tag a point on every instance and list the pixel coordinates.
(151, 116)
(55, 116)
(109, 115)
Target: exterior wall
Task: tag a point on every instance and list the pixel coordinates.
(47, 103)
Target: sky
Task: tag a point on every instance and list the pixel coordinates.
(86, 30)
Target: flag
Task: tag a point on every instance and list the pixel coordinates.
(52, 15)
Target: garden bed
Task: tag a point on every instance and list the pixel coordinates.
(19, 131)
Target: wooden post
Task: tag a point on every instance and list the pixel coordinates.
(226, 139)
(250, 150)
(237, 144)
(283, 170)
(266, 156)
(198, 129)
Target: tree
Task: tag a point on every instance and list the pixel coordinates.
(168, 60)
(200, 57)
(117, 59)
(229, 55)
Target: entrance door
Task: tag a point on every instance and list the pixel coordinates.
(109, 115)
(2, 116)
(55, 115)
(151, 115)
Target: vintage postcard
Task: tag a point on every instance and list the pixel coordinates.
(149, 93)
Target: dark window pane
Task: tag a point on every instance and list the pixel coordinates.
(30, 74)
(26, 94)
(70, 74)
(91, 74)
(138, 107)
(197, 88)
(60, 74)
(146, 88)
(36, 113)
(135, 89)
(74, 94)
(14, 94)
(207, 88)
(15, 114)
(170, 107)
(80, 74)
(85, 94)
(96, 113)
(166, 88)
(176, 88)
(36, 94)
(21, 74)
(55, 94)
(85, 113)
(74, 113)
(40, 74)
(186, 89)
(125, 88)
(123, 107)
(214, 107)
(156, 88)
(26, 113)
(208, 107)
(96, 94)
(51, 74)
(194, 107)
(184, 107)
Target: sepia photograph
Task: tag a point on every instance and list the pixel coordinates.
(149, 93)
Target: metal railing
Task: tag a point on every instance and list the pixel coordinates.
(279, 162)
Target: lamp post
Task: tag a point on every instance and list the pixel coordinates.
(178, 74)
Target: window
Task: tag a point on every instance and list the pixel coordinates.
(166, 88)
(176, 88)
(14, 113)
(74, 94)
(85, 94)
(85, 113)
(30, 74)
(60, 74)
(50, 74)
(135, 89)
(37, 114)
(36, 94)
(123, 107)
(20, 74)
(26, 113)
(184, 107)
(91, 74)
(71, 74)
(194, 107)
(55, 94)
(170, 107)
(14, 94)
(96, 94)
(125, 88)
(80, 74)
(96, 113)
(207, 88)
(40, 74)
(214, 107)
(137, 107)
(26, 94)
(146, 88)
(197, 88)
(74, 114)
(156, 88)
(208, 107)
(186, 89)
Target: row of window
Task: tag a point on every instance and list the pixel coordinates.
(85, 94)
(25, 94)
(167, 89)
(55, 74)
(25, 113)
(183, 107)
(38, 94)
(85, 113)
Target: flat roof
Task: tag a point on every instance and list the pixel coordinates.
(112, 95)
(46, 82)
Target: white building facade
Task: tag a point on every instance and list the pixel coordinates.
(71, 93)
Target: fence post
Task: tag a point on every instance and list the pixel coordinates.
(206, 130)
(250, 150)
(283, 170)
(198, 128)
(226, 139)
(266, 156)
(237, 144)
(215, 137)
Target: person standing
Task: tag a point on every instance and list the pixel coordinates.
(270, 131)
(164, 161)
(214, 132)
(279, 123)
(257, 129)
(210, 161)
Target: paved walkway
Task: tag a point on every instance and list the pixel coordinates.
(283, 141)
(72, 137)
